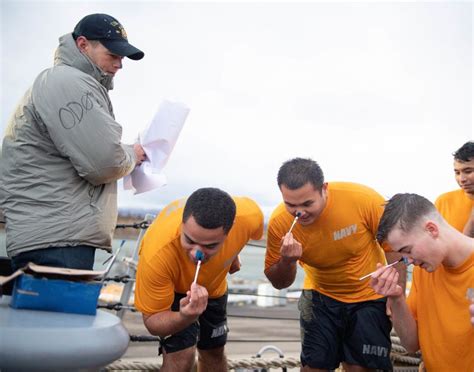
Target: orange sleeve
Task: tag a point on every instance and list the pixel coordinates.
(154, 291)
(154, 287)
(251, 216)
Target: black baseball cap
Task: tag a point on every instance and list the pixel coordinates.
(109, 32)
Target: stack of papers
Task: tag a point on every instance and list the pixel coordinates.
(158, 141)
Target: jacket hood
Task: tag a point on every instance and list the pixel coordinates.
(68, 54)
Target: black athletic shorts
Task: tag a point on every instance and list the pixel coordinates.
(209, 332)
(334, 332)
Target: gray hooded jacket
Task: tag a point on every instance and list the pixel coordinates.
(61, 158)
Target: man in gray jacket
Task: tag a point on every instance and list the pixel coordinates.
(62, 152)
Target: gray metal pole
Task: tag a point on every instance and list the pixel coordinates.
(131, 271)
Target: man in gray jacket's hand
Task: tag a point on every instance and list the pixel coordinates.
(62, 152)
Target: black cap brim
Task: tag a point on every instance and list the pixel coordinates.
(123, 48)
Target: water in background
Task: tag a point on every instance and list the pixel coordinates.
(251, 257)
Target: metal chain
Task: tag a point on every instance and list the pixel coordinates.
(119, 279)
(137, 225)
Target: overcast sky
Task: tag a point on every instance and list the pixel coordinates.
(377, 93)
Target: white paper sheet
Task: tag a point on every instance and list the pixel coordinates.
(158, 140)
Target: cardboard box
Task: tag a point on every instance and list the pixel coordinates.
(55, 289)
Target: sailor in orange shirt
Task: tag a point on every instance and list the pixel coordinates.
(186, 315)
(342, 319)
(457, 207)
(435, 317)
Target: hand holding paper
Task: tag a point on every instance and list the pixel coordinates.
(158, 141)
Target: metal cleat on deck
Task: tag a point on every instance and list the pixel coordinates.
(263, 365)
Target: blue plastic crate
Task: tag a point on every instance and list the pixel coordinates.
(65, 296)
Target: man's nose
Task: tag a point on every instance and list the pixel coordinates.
(198, 252)
(118, 63)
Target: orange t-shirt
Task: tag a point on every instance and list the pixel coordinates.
(439, 304)
(164, 268)
(340, 246)
(455, 207)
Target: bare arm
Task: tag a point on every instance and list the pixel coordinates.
(469, 226)
(282, 274)
(169, 322)
(385, 282)
(404, 323)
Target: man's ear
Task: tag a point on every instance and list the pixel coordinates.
(432, 228)
(81, 43)
(324, 189)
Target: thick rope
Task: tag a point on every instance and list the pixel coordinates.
(400, 355)
(264, 363)
(121, 365)
(288, 362)
(251, 363)
(405, 359)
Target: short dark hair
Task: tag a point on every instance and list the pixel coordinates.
(465, 152)
(297, 172)
(211, 208)
(403, 211)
